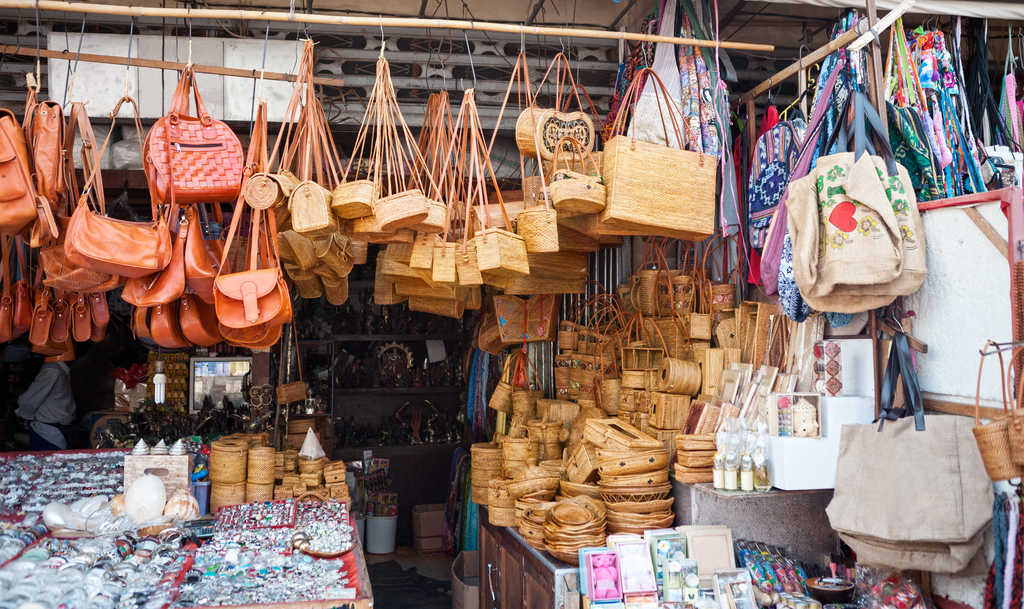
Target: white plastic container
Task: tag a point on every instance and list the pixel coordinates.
(380, 534)
(810, 463)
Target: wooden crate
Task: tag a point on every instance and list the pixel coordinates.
(173, 470)
(614, 434)
(669, 410)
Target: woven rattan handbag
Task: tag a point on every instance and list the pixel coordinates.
(538, 130)
(295, 391)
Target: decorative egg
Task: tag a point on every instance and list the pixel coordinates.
(144, 500)
(182, 506)
(116, 504)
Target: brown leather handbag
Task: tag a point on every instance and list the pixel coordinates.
(17, 192)
(199, 322)
(166, 286)
(44, 129)
(42, 319)
(6, 297)
(59, 272)
(255, 293)
(100, 315)
(202, 257)
(81, 318)
(24, 296)
(60, 328)
(165, 327)
(192, 159)
(117, 247)
(140, 323)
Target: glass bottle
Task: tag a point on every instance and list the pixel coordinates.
(732, 464)
(718, 470)
(762, 476)
(746, 473)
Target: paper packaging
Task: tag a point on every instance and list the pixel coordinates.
(311, 448)
(465, 577)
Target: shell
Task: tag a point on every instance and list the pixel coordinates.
(182, 506)
(144, 499)
(178, 448)
(141, 448)
(159, 449)
(116, 504)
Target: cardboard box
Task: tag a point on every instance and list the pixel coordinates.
(428, 520)
(466, 580)
(429, 545)
(173, 470)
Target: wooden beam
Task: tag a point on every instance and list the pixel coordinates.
(536, 11)
(875, 66)
(136, 62)
(622, 14)
(988, 230)
(962, 409)
(808, 60)
(732, 14)
(361, 21)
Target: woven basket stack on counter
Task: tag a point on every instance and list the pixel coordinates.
(571, 524)
(244, 469)
(695, 458)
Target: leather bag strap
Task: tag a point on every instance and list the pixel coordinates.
(900, 365)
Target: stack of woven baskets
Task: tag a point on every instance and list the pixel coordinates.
(571, 524)
(533, 483)
(634, 486)
(228, 472)
(485, 465)
(695, 458)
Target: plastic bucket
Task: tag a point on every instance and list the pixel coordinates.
(201, 491)
(380, 534)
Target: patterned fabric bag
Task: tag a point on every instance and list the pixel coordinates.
(774, 158)
(911, 149)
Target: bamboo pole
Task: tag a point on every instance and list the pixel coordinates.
(808, 60)
(138, 62)
(358, 21)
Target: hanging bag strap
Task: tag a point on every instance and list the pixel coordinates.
(900, 365)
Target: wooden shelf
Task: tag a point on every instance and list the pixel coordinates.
(400, 390)
(375, 338)
(708, 488)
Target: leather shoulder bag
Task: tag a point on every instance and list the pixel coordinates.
(256, 293)
(199, 321)
(6, 297)
(192, 159)
(58, 271)
(17, 192)
(202, 256)
(118, 247)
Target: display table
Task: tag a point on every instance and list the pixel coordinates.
(241, 566)
(514, 575)
(794, 520)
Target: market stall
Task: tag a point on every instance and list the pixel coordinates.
(679, 310)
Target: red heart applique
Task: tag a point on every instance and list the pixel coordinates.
(842, 217)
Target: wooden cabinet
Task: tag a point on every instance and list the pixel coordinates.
(515, 576)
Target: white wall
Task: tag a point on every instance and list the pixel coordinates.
(226, 97)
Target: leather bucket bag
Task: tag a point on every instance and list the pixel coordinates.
(165, 286)
(199, 321)
(192, 159)
(110, 245)
(202, 256)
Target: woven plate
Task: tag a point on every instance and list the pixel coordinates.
(641, 507)
(570, 514)
(634, 494)
(574, 489)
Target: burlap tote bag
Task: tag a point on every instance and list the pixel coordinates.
(910, 499)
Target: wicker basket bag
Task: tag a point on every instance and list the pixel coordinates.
(577, 188)
(994, 438)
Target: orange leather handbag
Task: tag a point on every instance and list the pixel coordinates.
(192, 159)
(255, 293)
(24, 297)
(17, 192)
(167, 285)
(100, 315)
(199, 322)
(117, 247)
(140, 323)
(6, 297)
(165, 328)
(81, 318)
(59, 272)
(202, 257)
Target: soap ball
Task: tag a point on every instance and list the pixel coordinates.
(144, 499)
(182, 506)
